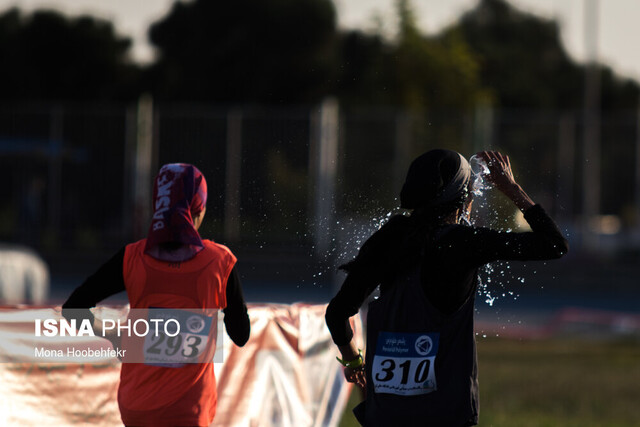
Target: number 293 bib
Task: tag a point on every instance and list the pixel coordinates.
(403, 363)
(187, 342)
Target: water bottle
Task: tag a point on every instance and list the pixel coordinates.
(480, 172)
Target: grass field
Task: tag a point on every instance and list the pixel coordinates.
(555, 383)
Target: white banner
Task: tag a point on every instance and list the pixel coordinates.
(286, 375)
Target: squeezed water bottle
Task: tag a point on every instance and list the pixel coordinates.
(480, 173)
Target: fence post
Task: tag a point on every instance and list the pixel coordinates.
(56, 135)
(563, 205)
(637, 177)
(128, 181)
(483, 127)
(323, 162)
(143, 175)
(233, 176)
(403, 149)
(591, 174)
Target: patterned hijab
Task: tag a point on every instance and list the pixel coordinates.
(179, 194)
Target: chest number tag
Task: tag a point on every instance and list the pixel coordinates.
(403, 363)
(178, 345)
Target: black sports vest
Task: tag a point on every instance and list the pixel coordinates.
(421, 365)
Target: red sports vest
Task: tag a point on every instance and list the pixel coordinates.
(152, 395)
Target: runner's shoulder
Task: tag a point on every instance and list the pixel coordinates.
(217, 247)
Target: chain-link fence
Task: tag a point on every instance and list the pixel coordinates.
(70, 173)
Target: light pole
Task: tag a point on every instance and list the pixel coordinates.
(591, 169)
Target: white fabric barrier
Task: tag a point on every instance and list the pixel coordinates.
(24, 276)
(286, 375)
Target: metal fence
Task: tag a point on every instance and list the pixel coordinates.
(75, 177)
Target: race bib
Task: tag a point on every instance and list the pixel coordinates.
(403, 363)
(184, 339)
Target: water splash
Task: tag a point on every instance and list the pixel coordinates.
(351, 233)
(354, 232)
(495, 280)
(480, 172)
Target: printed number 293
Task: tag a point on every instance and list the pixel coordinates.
(173, 344)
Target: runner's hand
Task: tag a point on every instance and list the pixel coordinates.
(356, 376)
(500, 173)
(501, 176)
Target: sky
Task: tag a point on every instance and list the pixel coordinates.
(615, 35)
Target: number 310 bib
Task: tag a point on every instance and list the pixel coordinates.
(403, 363)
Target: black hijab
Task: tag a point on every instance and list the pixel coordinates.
(436, 178)
(437, 184)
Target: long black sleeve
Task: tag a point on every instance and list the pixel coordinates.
(236, 318)
(482, 245)
(102, 284)
(370, 269)
(449, 268)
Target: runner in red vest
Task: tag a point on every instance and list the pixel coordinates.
(173, 268)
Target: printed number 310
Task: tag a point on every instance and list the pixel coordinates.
(388, 367)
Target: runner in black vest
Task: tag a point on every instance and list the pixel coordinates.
(420, 367)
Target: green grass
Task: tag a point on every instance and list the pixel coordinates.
(554, 383)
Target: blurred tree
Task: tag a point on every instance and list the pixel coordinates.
(360, 69)
(523, 61)
(245, 51)
(430, 84)
(290, 51)
(47, 56)
(522, 57)
(412, 71)
(438, 72)
(526, 67)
